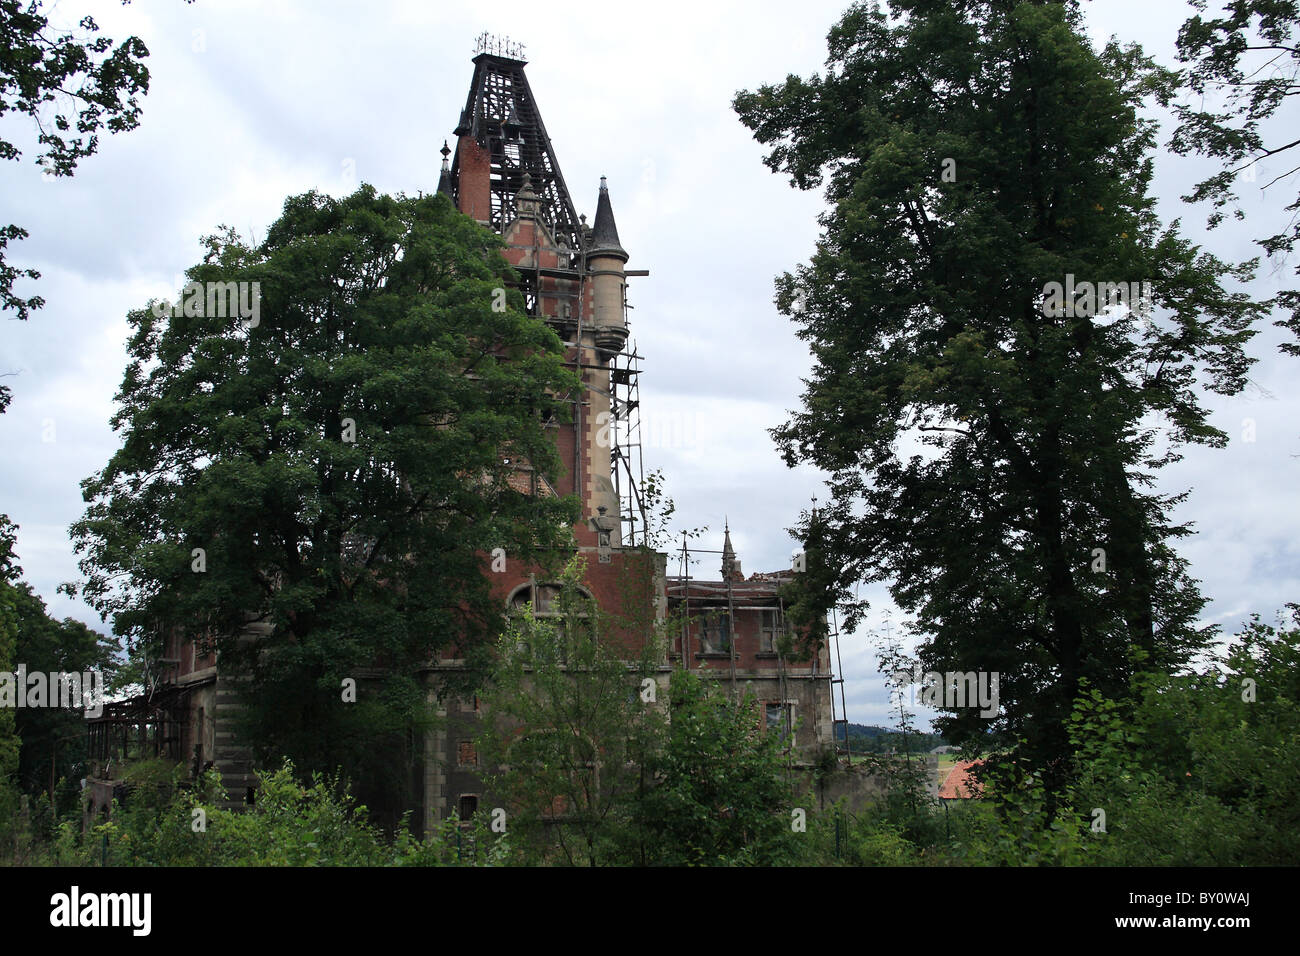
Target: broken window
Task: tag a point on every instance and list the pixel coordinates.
(779, 717)
(467, 754)
(716, 631)
(771, 630)
(545, 602)
(543, 597)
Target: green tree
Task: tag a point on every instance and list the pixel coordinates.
(720, 793)
(331, 465)
(72, 86)
(907, 803)
(989, 444)
(573, 719)
(10, 743)
(811, 597)
(54, 738)
(1205, 769)
(1195, 769)
(1242, 69)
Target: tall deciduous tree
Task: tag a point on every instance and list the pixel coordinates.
(1243, 69)
(990, 454)
(334, 462)
(54, 738)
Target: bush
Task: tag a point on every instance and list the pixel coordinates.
(164, 822)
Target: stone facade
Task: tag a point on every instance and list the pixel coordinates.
(503, 173)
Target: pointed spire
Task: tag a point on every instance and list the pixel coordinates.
(604, 232)
(730, 566)
(444, 181)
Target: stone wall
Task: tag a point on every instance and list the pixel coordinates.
(859, 787)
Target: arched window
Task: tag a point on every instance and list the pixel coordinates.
(545, 601)
(543, 597)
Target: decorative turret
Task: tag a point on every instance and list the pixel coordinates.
(730, 564)
(444, 180)
(604, 234)
(605, 259)
(504, 174)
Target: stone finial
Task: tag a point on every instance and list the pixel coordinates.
(527, 203)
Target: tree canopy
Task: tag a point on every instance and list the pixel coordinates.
(71, 86)
(332, 461)
(1242, 69)
(991, 450)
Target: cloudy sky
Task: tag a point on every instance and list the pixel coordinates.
(250, 103)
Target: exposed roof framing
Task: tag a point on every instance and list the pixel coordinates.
(502, 116)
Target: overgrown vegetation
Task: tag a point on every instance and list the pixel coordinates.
(337, 468)
(991, 455)
(1201, 770)
(171, 821)
(332, 467)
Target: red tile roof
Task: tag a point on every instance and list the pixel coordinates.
(959, 784)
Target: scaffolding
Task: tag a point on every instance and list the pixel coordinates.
(626, 465)
(682, 587)
(843, 719)
(502, 116)
(140, 727)
(624, 427)
(709, 595)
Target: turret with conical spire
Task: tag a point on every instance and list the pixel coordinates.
(604, 233)
(444, 180)
(730, 564)
(605, 260)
